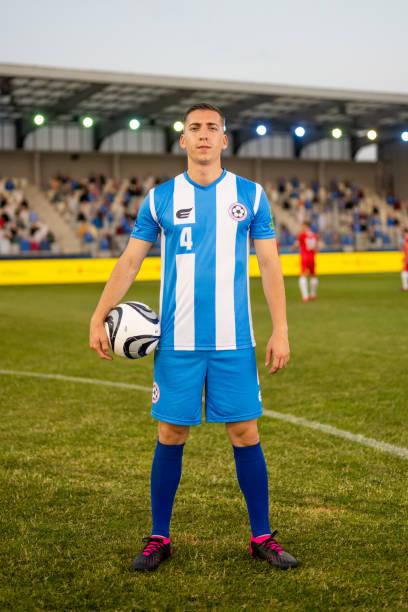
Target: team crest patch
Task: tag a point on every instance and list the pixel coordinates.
(238, 211)
(155, 393)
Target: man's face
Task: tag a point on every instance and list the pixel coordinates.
(203, 136)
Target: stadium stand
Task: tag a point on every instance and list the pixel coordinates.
(95, 215)
(345, 216)
(101, 211)
(22, 231)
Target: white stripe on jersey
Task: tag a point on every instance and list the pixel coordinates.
(257, 197)
(183, 201)
(162, 269)
(184, 331)
(258, 191)
(152, 206)
(251, 327)
(226, 231)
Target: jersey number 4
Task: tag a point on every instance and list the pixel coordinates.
(186, 239)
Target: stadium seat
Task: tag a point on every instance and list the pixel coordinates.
(24, 245)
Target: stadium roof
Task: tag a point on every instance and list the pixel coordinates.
(65, 95)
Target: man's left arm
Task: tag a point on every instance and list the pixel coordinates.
(277, 349)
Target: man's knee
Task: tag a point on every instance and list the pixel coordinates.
(243, 433)
(172, 434)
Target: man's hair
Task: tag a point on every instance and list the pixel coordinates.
(204, 106)
(306, 223)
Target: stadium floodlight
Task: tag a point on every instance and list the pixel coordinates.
(178, 126)
(134, 124)
(39, 119)
(404, 136)
(372, 135)
(300, 131)
(261, 130)
(87, 122)
(337, 133)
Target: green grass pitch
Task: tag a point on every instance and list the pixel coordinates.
(75, 463)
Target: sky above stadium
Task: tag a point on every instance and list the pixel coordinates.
(350, 44)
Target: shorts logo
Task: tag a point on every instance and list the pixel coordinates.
(155, 393)
(237, 211)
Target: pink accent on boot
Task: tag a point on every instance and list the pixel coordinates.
(260, 539)
(154, 545)
(165, 540)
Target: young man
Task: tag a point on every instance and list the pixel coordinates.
(404, 271)
(206, 217)
(307, 242)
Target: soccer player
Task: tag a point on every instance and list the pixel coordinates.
(206, 217)
(404, 272)
(307, 242)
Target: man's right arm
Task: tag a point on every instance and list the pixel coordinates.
(123, 275)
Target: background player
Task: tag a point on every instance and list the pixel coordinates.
(206, 217)
(404, 272)
(308, 243)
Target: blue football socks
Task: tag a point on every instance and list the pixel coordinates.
(165, 479)
(253, 481)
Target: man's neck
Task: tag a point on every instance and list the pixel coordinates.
(204, 175)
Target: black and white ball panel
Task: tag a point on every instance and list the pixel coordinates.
(112, 323)
(133, 330)
(144, 311)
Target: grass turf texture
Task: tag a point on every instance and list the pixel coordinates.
(76, 463)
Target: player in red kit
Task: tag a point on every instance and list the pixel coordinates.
(308, 243)
(404, 272)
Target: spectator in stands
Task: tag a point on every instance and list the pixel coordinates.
(148, 182)
(9, 184)
(135, 187)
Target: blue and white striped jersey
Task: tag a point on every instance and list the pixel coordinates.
(205, 234)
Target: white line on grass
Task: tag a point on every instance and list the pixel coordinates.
(340, 433)
(90, 381)
(399, 451)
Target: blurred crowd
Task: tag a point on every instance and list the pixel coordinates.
(102, 210)
(21, 231)
(341, 213)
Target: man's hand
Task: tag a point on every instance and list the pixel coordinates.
(277, 351)
(98, 340)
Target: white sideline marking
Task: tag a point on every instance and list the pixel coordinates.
(90, 381)
(399, 451)
(340, 433)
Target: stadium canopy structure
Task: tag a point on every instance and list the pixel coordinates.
(112, 99)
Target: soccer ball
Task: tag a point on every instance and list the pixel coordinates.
(133, 330)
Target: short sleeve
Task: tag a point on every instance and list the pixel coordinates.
(262, 225)
(146, 227)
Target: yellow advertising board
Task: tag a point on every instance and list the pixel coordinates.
(54, 271)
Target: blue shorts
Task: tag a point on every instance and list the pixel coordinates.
(232, 391)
